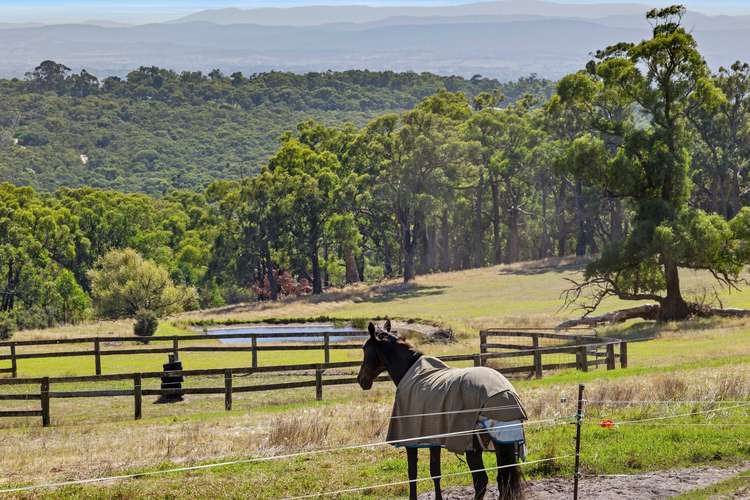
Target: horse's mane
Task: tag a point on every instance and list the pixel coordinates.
(416, 353)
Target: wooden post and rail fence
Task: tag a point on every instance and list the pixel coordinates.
(99, 344)
(586, 357)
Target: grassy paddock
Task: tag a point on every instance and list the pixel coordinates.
(700, 360)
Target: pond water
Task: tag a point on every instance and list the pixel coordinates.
(298, 333)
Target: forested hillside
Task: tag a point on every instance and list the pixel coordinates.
(646, 171)
(157, 130)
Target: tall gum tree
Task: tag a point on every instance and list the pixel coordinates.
(664, 78)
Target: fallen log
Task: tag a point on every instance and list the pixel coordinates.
(647, 312)
(723, 313)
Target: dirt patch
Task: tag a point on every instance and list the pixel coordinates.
(650, 486)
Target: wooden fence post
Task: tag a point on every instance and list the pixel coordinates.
(326, 348)
(137, 396)
(477, 360)
(254, 345)
(538, 366)
(228, 389)
(44, 394)
(13, 361)
(482, 344)
(583, 360)
(176, 349)
(610, 356)
(319, 384)
(623, 354)
(97, 357)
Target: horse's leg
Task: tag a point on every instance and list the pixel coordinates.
(478, 474)
(412, 455)
(509, 479)
(435, 471)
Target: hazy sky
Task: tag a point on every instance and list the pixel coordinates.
(146, 11)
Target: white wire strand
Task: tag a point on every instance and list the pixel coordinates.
(667, 417)
(266, 459)
(422, 479)
(663, 402)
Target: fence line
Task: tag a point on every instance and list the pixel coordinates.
(266, 459)
(665, 402)
(253, 349)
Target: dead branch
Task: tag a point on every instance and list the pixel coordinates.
(647, 312)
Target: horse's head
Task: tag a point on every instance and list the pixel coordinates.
(385, 351)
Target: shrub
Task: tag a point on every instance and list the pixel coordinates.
(146, 323)
(7, 325)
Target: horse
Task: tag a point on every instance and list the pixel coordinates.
(414, 376)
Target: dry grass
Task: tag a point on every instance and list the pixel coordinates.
(82, 450)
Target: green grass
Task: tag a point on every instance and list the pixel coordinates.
(684, 358)
(736, 487)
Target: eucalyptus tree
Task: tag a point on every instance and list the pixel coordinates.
(664, 77)
(723, 151)
(419, 161)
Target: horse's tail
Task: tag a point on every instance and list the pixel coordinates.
(510, 481)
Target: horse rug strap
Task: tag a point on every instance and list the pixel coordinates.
(433, 398)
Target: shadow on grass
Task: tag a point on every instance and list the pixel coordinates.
(410, 291)
(649, 330)
(550, 265)
(376, 294)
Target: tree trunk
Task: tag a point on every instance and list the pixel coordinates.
(617, 218)
(317, 281)
(513, 248)
(581, 236)
(360, 260)
(445, 245)
(409, 273)
(408, 249)
(352, 273)
(562, 230)
(387, 256)
(544, 247)
(272, 281)
(326, 276)
(476, 246)
(496, 221)
(673, 306)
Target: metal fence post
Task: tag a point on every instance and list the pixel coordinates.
(579, 420)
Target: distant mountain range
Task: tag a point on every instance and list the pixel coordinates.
(503, 39)
(328, 14)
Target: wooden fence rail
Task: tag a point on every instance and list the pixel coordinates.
(319, 381)
(98, 346)
(582, 346)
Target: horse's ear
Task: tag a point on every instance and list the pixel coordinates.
(371, 329)
(387, 325)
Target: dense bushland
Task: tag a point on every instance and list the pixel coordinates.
(641, 159)
(158, 130)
